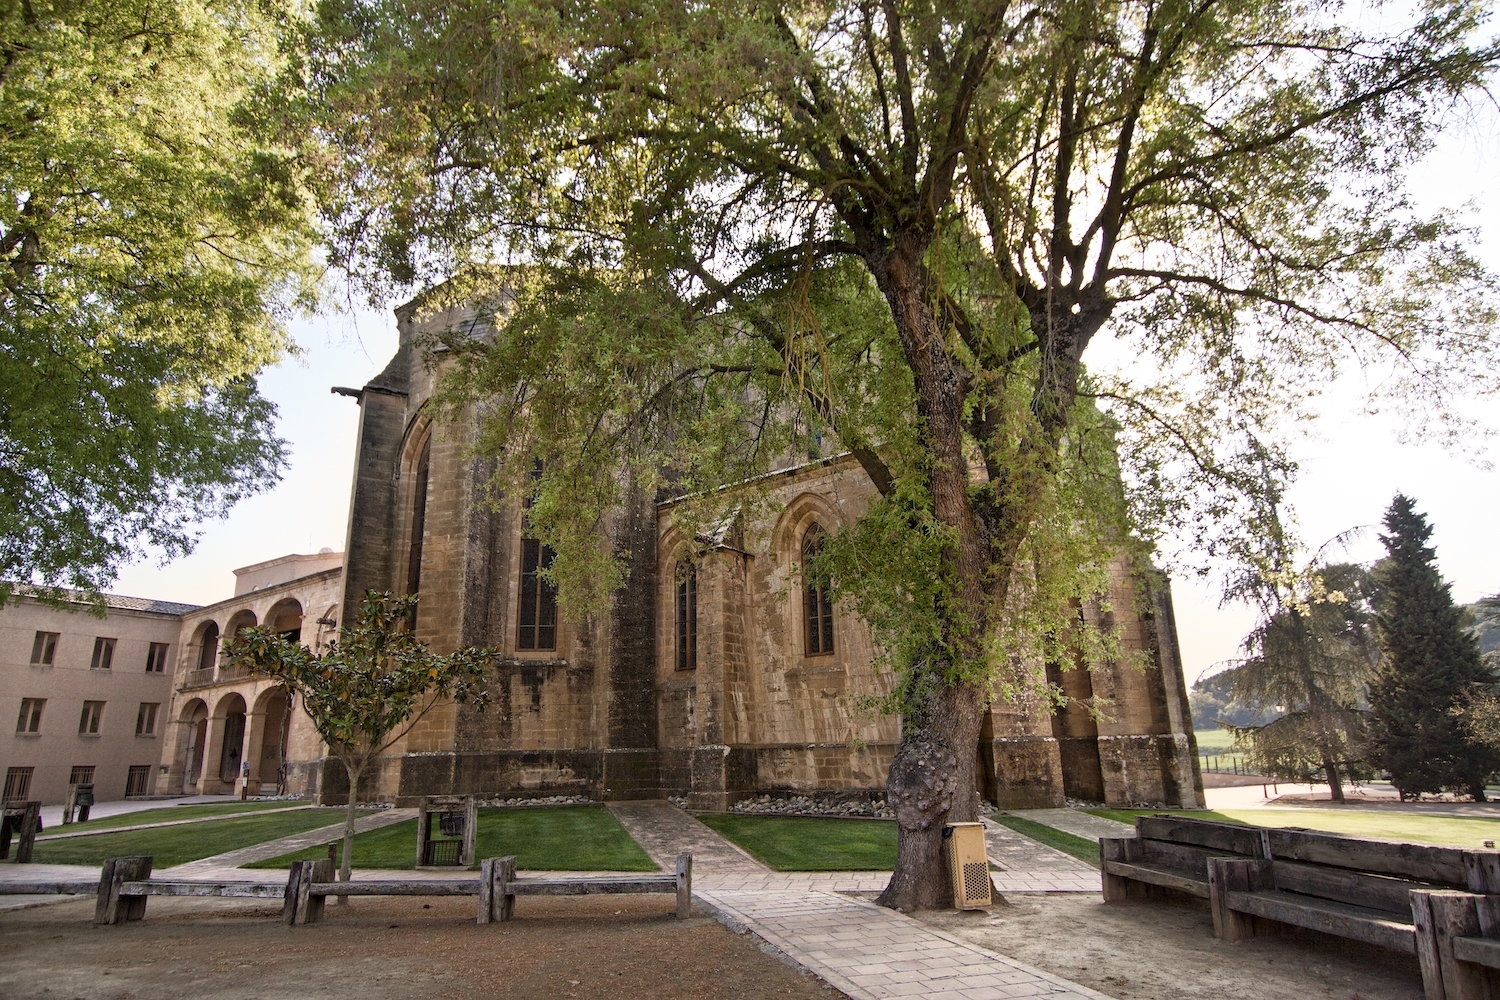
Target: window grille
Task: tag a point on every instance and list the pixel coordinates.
(82, 774)
(18, 784)
(137, 780)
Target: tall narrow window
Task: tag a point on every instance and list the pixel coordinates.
(44, 648)
(687, 616)
(537, 620)
(104, 652)
(418, 523)
(156, 658)
(817, 603)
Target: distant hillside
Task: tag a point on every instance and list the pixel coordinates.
(1211, 701)
(1486, 615)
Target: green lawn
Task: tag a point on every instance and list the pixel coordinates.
(810, 844)
(1080, 847)
(557, 838)
(174, 845)
(1212, 741)
(168, 814)
(1378, 824)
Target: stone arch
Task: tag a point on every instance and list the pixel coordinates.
(194, 722)
(285, 618)
(205, 645)
(270, 723)
(242, 619)
(804, 517)
(328, 625)
(230, 714)
(413, 476)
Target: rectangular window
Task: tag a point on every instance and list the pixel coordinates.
(17, 784)
(145, 719)
(82, 774)
(43, 649)
(137, 779)
(88, 722)
(31, 715)
(156, 658)
(538, 617)
(104, 652)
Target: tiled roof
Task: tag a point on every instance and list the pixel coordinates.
(147, 604)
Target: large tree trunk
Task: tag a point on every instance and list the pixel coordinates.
(931, 780)
(1335, 782)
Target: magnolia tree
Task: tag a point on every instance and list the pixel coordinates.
(897, 229)
(369, 687)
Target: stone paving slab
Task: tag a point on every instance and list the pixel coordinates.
(872, 953)
(665, 831)
(67, 834)
(1077, 822)
(1016, 853)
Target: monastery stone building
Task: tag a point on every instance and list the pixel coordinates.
(715, 678)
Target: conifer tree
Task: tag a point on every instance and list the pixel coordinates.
(1430, 665)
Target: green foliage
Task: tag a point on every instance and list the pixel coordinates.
(372, 683)
(153, 234)
(1430, 666)
(1309, 658)
(1212, 700)
(810, 843)
(564, 838)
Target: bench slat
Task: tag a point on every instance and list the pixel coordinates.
(1441, 865)
(1480, 951)
(1378, 892)
(1340, 919)
(49, 888)
(1158, 875)
(405, 887)
(234, 890)
(1241, 840)
(1185, 856)
(590, 886)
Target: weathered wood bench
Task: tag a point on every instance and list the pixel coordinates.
(1458, 943)
(1172, 852)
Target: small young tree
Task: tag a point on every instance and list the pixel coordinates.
(1430, 666)
(1310, 657)
(371, 686)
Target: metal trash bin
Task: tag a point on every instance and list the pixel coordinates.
(968, 865)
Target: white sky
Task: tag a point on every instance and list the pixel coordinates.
(1351, 462)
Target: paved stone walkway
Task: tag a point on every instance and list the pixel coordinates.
(1077, 822)
(226, 865)
(664, 831)
(71, 834)
(871, 953)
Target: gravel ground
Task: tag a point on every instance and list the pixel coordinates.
(385, 949)
(1164, 950)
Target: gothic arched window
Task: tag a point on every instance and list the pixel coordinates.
(817, 603)
(687, 615)
(418, 523)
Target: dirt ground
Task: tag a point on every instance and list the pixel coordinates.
(1164, 950)
(384, 949)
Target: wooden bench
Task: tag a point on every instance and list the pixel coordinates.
(1172, 853)
(1458, 943)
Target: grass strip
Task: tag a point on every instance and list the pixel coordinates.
(169, 814)
(1079, 847)
(550, 838)
(810, 844)
(175, 845)
(1348, 821)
